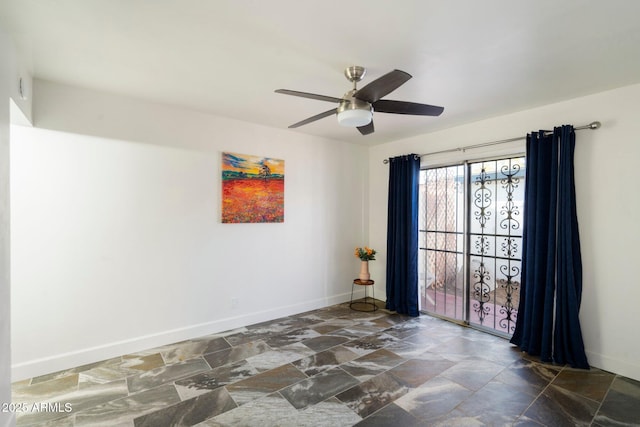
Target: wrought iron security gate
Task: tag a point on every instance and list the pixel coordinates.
(470, 242)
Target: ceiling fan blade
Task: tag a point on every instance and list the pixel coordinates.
(308, 95)
(366, 129)
(314, 118)
(382, 86)
(403, 107)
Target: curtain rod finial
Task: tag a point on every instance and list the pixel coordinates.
(594, 125)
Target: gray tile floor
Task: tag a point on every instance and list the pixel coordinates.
(331, 367)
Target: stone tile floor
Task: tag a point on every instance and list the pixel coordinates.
(331, 367)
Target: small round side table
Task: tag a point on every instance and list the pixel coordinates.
(366, 284)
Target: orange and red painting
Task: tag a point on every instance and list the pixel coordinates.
(252, 188)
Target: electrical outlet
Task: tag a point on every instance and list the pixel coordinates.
(235, 302)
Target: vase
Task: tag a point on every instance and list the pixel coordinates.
(364, 271)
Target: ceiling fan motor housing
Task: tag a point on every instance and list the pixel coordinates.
(353, 112)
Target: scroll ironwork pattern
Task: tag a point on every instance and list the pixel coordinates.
(497, 200)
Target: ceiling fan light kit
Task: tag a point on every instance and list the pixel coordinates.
(356, 107)
(354, 113)
(354, 118)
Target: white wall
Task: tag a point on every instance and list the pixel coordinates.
(6, 59)
(117, 243)
(13, 107)
(608, 205)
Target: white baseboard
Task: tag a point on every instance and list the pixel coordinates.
(59, 362)
(610, 364)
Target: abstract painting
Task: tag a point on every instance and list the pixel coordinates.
(252, 189)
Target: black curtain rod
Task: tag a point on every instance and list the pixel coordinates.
(592, 125)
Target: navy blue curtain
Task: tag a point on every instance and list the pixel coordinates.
(551, 278)
(402, 235)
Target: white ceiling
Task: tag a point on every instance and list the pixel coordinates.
(478, 59)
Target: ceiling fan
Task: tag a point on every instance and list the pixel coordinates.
(356, 107)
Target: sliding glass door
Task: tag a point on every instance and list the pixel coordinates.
(441, 240)
(470, 242)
